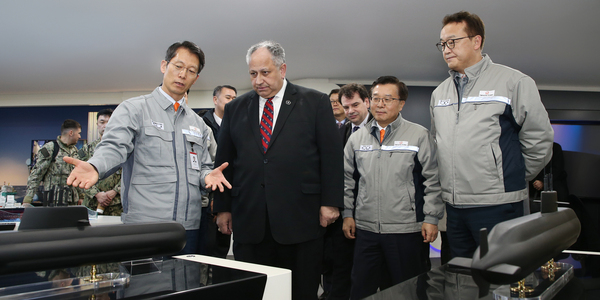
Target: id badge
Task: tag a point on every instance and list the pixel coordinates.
(194, 160)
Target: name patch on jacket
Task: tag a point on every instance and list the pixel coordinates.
(196, 131)
(190, 132)
(366, 147)
(158, 125)
(445, 102)
(486, 93)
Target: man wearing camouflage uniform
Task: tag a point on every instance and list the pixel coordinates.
(105, 196)
(53, 171)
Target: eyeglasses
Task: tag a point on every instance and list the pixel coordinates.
(386, 101)
(450, 43)
(335, 102)
(177, 68)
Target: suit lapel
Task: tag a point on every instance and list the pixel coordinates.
(287, 105)
(254, 123)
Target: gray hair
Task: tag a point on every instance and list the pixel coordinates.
(277, 52)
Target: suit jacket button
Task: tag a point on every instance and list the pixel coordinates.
(262, 185)
(266, 161)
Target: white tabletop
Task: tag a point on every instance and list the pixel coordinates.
(279, 281)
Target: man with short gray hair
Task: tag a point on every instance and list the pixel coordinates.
(286, 171)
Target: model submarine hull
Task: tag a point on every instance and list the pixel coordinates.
(35, 250)
(516, 248)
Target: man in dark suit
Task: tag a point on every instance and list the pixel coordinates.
(212, 242)
(286, 170)
(338, 111)
(354, 98)
(222, 95)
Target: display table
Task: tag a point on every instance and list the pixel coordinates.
(451, 283)
(49, 257)
(182, 277)
(279, 281)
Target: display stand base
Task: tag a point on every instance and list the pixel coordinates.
(56, 288)
(540, 284)
(143, 266)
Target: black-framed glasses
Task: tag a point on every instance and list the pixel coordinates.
(386, 100)
(450, 43)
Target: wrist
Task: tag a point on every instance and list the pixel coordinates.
(95, 169)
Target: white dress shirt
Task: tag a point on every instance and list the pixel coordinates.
(277, 100)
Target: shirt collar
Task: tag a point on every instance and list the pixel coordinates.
(171, 98)
(393, 125)
(279, 94)
(217, 119)
(375, 124)
(362, 123)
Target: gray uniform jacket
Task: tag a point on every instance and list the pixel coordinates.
(398, 187)
(499, 139)
(156, 146)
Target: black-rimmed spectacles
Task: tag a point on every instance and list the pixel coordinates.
(449, 43)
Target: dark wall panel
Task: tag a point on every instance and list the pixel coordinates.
(20, 125)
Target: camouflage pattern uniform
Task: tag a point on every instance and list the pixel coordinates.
(112, 182)
(53, 175)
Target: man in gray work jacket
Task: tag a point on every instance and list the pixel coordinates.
(492, 132)
(398, 203)
(161, 144)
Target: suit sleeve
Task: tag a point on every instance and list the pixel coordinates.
(212, 146)
(349, 181)
(536, 134)
(331, 151)
(225, 153)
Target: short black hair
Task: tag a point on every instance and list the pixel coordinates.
(69, 124)
(217, 90)
(474, 24)
(334, 91)
(172, 51)
(402, 89)
(104, 112)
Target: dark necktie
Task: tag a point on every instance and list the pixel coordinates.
(266, 124)
(355, 128)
